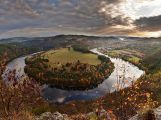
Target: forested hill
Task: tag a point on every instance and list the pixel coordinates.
(15, 47)
(153, 61)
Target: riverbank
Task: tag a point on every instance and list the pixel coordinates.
(133, 58)
(64, 96)
(74, 102)
(78, 71)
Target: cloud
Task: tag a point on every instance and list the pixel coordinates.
(68, 13)
(42, 32)
(141, 8)
(112, 13)
(149, 23)
(97, 16)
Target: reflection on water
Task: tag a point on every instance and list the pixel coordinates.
(124, 73)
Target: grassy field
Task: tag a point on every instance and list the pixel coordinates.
(127, 54)
(65, 55)
(61, 69)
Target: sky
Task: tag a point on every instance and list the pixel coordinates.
(37, 18)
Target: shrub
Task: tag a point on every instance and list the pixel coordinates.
(103, 58)
(80, 48)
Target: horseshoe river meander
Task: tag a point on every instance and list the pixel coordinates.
(123, 71)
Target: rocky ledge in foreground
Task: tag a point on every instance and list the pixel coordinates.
(154, 114)
(101, 115)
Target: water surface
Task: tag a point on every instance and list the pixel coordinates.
(122, 76)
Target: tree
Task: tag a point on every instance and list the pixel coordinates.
(17, 95)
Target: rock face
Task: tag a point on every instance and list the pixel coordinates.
(155, 115)
(53, 116)
(101, 115)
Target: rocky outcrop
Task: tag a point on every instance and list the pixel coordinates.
(101, 115)
(53, 116)
(155, 114)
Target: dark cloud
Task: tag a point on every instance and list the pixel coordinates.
(73, 14)
(149, 23)
(61, 12)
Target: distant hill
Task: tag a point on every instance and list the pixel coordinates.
(24, 45)
(71, 37)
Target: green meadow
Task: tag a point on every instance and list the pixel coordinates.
(65, 55)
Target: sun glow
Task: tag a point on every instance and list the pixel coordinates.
(153, 34)
(141, 8)
(147, 34)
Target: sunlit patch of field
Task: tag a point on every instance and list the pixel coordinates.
(65, 55)
(128, 54)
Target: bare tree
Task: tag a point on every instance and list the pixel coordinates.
(17, 95)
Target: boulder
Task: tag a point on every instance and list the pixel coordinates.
(52, 116)
(155, 115)
(100, 115)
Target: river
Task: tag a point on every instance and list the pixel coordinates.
(123, 75)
